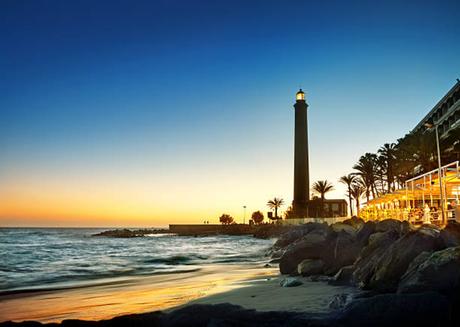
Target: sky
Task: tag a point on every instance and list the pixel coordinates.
(144, 113)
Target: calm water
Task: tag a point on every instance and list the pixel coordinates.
(39, 258)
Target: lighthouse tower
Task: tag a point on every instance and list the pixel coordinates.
(301, 168)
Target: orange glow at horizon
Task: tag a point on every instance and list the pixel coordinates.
(105, 199)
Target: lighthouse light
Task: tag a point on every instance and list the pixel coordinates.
(300, 95)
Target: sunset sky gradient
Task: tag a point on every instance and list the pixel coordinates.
(121, 113)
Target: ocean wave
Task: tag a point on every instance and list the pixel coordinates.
(176, 259)
(84, 282)
(47, 257)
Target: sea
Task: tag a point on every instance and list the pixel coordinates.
(34, 259)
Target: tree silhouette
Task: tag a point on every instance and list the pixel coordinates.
(226, 219)
(348, 181)
(275, 203)
(322, 187)
(257, 217)
(357, 191)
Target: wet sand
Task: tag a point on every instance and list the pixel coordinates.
(253, 288)
(130, 295)
(267, 295)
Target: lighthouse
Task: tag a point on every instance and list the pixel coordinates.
(301, 168)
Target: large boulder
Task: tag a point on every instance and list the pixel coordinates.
(341, 227)
(366, 264)
(396, 259)
(425, 309)
(310, 267)
(439, 271)
(364, 232)
(343, 251)
(311, 246)
(388, 224)
(297, 232)
(354, 221)
(451, 234)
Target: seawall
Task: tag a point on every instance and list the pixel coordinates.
(211, 229)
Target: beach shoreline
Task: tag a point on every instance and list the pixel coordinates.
(251, 289)
(131, 295)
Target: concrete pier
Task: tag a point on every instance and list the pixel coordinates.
(211, 229)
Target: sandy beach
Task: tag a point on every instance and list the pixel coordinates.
(128, 295)
(267, 295)
(251, 287)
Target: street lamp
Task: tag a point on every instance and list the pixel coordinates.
(431, 125)
(244, 215)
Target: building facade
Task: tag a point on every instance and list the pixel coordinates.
(445, 114)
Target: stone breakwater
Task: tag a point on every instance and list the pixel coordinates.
(408, 274)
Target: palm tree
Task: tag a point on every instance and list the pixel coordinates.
(418, 150)
(357, 191)
(322, 187)
(387, 154)
(275, 203)
(368, 171)
(348, 181)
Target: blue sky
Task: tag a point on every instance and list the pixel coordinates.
(162, 98)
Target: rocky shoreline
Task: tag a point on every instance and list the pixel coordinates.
(407, 276)
(130, 233)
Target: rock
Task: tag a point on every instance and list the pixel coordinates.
(438, 271)
(268, 231)
(355, 222)
(311, 246)
(407, 227)
(226, 315)
(396, 259)
(337, 246)
(364, 232)
(128, 233)
(267, 265)
(424, 309)
(343, 251)
(297, 232)
(290, 282)
(339, 301)
(289, 237)
(197, 315)
(451, 234)
(119, 233)
(310, 267)
(413, 266)
(388, 224)
(276, 254)
(343, 276)
(365, 265)
(338, 227)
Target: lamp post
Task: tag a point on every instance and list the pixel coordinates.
(244, 215)
(431, 125)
